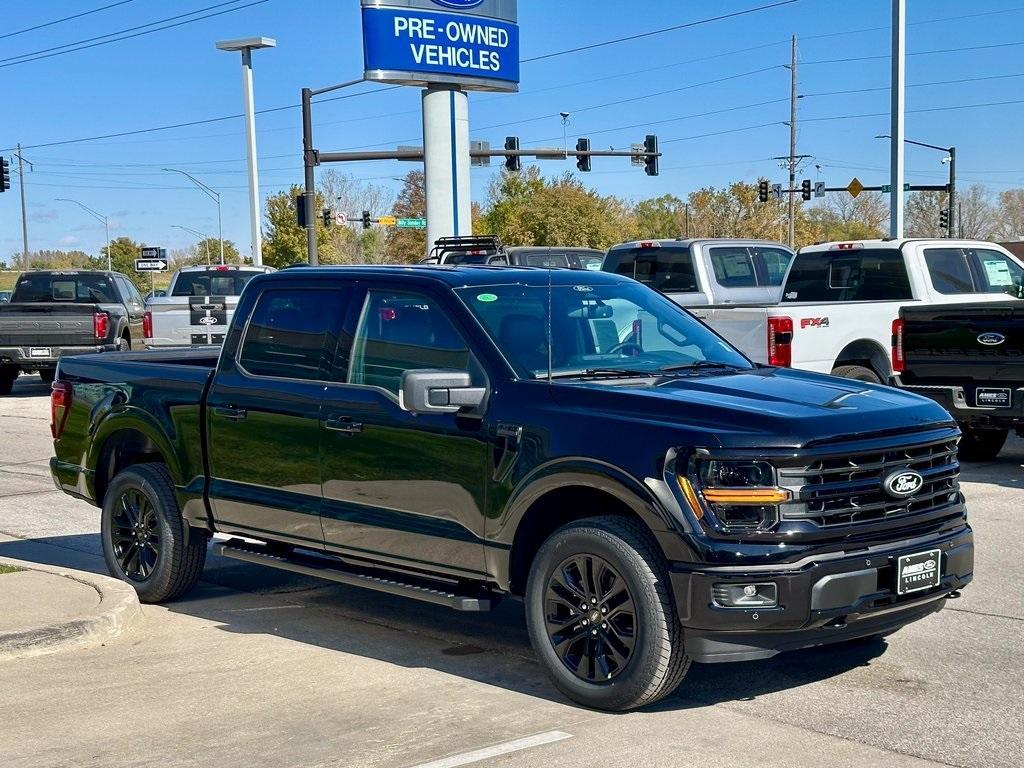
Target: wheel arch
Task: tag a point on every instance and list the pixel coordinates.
(867, 353)
(559, 495)
(123, 439)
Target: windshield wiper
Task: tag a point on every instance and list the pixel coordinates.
(602, 372)
(699, 364)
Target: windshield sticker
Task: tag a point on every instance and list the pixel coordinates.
(487, 298)
(998, 272)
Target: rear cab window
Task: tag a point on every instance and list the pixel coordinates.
(958, 271)
(667, 269)
(212, 282)
(861, 274)
(72, 287)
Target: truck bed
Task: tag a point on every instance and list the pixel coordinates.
(58, 324)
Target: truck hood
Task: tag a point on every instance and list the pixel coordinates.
(760, 408)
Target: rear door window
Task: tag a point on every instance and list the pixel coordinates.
(293, 334)
(873, 274)
(957, 271)
(666, 269)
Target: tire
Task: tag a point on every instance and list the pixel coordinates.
(657, 662)
(981, 444)
(47, 375)
(172, 559)
(857, 373)
(7, 382)
(124, 344)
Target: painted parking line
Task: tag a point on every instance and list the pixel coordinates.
(516, 745)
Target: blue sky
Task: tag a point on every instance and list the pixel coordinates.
(176, 75)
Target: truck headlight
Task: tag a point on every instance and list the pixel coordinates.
(742, 495)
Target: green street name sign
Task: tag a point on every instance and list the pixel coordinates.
(411, 223)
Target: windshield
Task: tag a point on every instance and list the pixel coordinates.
(90, 288)
(212, 283)
(620, 326)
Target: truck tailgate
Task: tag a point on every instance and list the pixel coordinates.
(968, 345)
(45, 324)
(746, 328)
(191, 319)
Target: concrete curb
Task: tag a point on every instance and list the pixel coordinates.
(117, 613)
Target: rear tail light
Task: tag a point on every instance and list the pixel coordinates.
(780, 341)
(100, 325)
(899, 362)
(60, 406)
(147, 325)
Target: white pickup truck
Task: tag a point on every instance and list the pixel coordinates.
(840, 305)
(198, 306)
(702, 272)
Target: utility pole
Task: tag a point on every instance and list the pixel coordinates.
(792, 146)
(897, 134)
(24, 218)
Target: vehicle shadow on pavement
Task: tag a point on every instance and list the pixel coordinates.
(29, 386)
(491, 648)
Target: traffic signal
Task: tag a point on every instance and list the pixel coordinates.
(944, 218)
(651, 162)
(805, 189)
(366, 219)
(513, 163)
(762, 191)
(300, 211)
(5, 175)
(583, 158)
(328, 217)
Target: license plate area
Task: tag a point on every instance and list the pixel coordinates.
(917, 572)
(39, 352)
(991, 397)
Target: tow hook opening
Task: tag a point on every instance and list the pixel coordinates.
(839, 622)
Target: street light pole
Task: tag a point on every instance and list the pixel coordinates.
(951, 151)
(104, 219)
(205, 239)
(246, 47)
(213, 195)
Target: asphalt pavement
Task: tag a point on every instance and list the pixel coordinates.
(259, 667)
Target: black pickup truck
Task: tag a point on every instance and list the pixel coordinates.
(969, 358)
(56, 313)
(572, 439)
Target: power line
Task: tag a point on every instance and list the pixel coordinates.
(916, 53)
(66, 18)
(652, 33)
(914, 85)
(46, 53)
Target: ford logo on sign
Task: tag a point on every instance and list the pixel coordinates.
(459, 3)
(991, 339)
(903, 483)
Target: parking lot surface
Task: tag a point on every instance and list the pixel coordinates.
(259, 667)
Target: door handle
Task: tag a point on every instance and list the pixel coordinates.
(344, 425)
(234, 414)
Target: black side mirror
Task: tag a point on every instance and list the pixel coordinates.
(439, 391)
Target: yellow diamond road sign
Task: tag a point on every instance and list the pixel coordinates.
(855, 187)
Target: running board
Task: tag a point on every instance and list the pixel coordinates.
(333, 570)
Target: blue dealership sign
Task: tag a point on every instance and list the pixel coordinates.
(419, 44)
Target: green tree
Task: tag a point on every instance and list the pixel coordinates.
(284, 241)
(661, 217)
(123, 253)
(211, 245)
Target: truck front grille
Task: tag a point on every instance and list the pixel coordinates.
(849, 490)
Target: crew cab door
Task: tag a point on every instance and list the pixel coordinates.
(263, 413)
(398, 487)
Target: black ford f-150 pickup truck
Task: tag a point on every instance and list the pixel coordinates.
(969, 358)
(69, 312)
(575, 439)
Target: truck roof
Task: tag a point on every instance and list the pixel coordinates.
(455, 276)
(682, 242)
(896, 243)
(225, 268)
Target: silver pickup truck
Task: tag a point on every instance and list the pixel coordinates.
(198, 306)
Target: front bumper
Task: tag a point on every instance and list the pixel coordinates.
(821, 600)
(955, 400)
(23, 359)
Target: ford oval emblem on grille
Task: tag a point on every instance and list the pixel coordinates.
(903, 483)
(991, 339)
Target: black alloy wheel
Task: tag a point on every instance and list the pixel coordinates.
(135, 535)
(590, 618)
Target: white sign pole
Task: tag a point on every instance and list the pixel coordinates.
(446, 162)
(896, 196)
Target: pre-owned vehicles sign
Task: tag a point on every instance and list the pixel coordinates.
(460, 42)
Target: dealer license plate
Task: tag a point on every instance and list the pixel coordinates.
(918, 572)
(987, 397)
